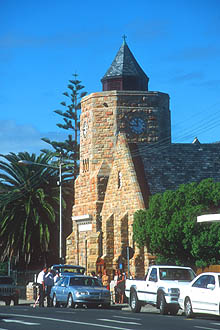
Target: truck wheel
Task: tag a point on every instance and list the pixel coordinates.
(162, 304)
(16, 300)
(188, 308)
(134, 303)
(174, 309)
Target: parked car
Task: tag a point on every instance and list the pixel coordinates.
(202, 295)
(160, 288)
(8, 290)
(68, 269)
(80, 290)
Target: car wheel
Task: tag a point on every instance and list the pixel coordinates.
(134, 303)
(8, 302)
(70, 302)
(54, 301)
(93, 305)
(106, 305)
(188, 308)
(16, 301)
(162, 304)
(174, 309)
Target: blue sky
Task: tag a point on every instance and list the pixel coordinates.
(44, 42)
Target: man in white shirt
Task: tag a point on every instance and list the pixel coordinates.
(41, 284)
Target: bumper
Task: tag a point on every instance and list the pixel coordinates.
(92, 301)
(172, 299)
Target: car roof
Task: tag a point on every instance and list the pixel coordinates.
(68, 266)
(209, 273)
(4, 276)
(78, 275)
(170, 266)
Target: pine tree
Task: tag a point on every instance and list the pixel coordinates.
(69, 149)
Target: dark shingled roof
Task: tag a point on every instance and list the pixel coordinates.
(125, 64)
(166, 167)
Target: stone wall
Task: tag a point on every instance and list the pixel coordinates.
(122, 199)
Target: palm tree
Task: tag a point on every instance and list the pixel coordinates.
(29, 203)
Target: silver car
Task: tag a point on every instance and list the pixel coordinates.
(80, 290)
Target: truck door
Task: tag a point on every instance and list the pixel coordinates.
(151, 286)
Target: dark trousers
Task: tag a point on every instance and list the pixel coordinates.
(48, 291)
(41, 295)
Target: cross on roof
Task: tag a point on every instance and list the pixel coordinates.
(124, 37)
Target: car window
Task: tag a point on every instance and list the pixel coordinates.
(76, 281)
(61, 281)
(69, 269)
(65, 281)
(84, 281)
(92, 282)
(211, 279)
(176, 274)
(6, 280)
(203, 281)
(153, 275)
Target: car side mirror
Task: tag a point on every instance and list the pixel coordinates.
(211, 286)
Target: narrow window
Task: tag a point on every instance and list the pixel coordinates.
(119, 180)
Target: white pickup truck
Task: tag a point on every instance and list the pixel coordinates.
(160, 288)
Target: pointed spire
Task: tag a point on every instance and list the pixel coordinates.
(124, 72)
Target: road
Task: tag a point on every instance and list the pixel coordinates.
(27, 317)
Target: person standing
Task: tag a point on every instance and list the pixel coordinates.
(105, 279)
(41, 284)
(121, 286)
(56, 277)
(116, 291)
(49, 282)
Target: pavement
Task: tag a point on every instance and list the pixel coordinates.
(126, 307)
(31, 303)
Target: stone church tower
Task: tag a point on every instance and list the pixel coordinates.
(108, 190)
(126, 155)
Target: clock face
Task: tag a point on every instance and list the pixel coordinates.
(137, 125)
(85, 129)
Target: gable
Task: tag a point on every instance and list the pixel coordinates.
(124, 191)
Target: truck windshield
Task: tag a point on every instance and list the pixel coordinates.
(172, 274)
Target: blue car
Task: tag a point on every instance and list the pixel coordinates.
(80, 290)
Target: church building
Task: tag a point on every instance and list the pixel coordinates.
(126, 155)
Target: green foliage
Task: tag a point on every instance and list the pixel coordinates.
(69, 149)
(29, 205)
(169, 226)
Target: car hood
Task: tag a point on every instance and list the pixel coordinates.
(176, 284)
(89, 288)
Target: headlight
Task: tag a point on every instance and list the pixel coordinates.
(82, 293)
(174, 290)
